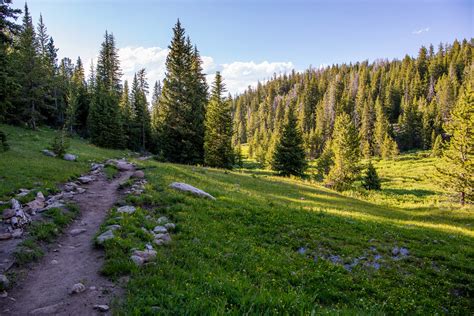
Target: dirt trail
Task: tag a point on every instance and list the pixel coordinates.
(45, 290)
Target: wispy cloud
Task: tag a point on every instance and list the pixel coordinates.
(420, 31)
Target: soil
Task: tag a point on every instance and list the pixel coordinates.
(45, 290)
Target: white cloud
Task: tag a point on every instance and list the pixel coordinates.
(423, 30)
(237, 75)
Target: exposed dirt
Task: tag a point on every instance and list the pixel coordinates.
(46, 287)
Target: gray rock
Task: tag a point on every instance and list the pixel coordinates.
(8, 213)
(80, 190)
(15, 204)
(335, 259)
(54, 204)
(77, 231)
(183, 187)
(302, 250)
(48, 153)
(77, 288)
(138, 174)
(139, 261)
(160, 230)
(96, 166)
(22, 193)
(395, 251)
(126, 209)
(124, 166)
(4, 282)
(162, 220)
(85, 179)
(147, 255)
(70, 157)
(102, 308)
(105, 236)
(113, 227)
(404, 252)
(170, 226)
(165, 237)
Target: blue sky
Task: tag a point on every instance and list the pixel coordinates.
(249, 40)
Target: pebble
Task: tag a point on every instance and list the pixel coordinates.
(105, 236)
(54, 261)
(102, 308)
(126, 209)
(78, 288)
(160, 230)
(170, 226)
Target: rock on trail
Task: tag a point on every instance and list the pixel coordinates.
(51, 287)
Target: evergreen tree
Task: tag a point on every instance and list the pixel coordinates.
(371, 180)
(182, 130)
(104, 121)
(218, 133)
(345, 145)
(458, 166)
(140, 134)
(289, 157)
(8, 28)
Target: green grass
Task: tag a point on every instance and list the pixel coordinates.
(24, 166)
(239, 254)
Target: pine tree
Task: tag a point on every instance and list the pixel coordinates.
(289, 157)
(140, 134)
(182, 103)
(29, 75)
(218, 133)
(458, 164)
(345, 145)
(371, 180)
(104, 121)
(8, 28)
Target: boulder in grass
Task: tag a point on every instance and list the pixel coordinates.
(85, 179)
(48, 153)
(109, 234)
(183, 187)
(138, 174)
(70, 157)
(126, 209)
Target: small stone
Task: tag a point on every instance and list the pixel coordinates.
(160, 230)
(162, 220)
(148, 247)
(40, 196)
(70, 157)
(113, 227)
(5, 236)
(4, 294)
(80, 190)
(105, 236)
(147, 255)
(165, 237)
(170, 226)
(102, 308)
(47, 310)
(404, 251)
(22, 193)
(4, 282)
(48, 153)
(96, 166)
(138, 174)
(183, 187)
(124, 166)
(139, 261)
(15, 204)
(335, 259)
(8, 213)
(77, 231)
(54, 261)
(85, 179)
(395, 251)
(377, 257)
(92, 288)
(126, 209)
(159, 242)
(302, 250)
(77, 288)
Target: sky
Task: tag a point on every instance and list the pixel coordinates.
(249, 40)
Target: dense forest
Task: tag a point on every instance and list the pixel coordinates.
(394, 105)
(336, 114)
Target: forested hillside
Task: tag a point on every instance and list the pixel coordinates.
(394, 105)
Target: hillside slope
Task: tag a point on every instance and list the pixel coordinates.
(273, 245)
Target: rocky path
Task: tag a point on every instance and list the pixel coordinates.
(46, 290)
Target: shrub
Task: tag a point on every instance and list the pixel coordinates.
(3, 142)
(371, 178)
(60, 143)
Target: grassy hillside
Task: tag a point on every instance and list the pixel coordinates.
(272, 245)
(24, 166)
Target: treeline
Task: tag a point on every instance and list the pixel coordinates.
(394, 105)
(38, 89)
